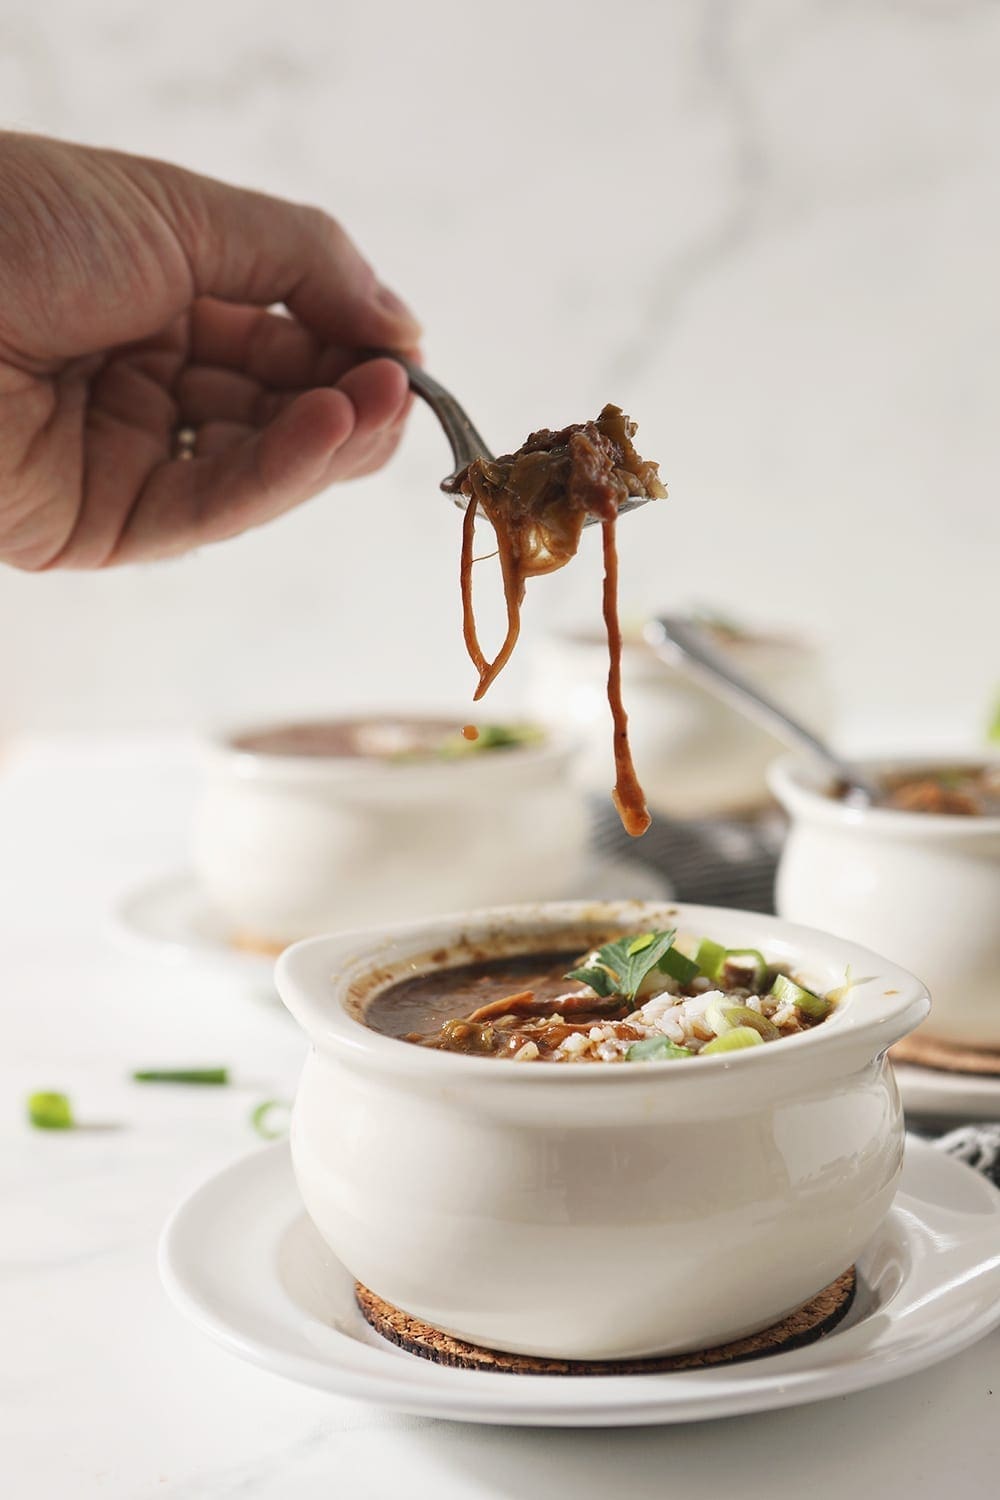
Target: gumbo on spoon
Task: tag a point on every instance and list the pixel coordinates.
(538, 500)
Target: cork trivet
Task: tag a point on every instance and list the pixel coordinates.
(930, 1052)
(815, 1318)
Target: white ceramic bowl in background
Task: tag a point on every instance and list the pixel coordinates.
(588, 1210)
(695, 755)
(288, 845)
(922, 887)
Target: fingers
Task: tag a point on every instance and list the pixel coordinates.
(247, 362)
(241, 478)
(247, 247)
(379, 392)
(275, 350)
(205, 394)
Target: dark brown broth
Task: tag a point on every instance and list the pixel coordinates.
(375, 738)
(948, 791)
(424, 1002)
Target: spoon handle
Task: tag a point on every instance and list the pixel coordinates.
(466, 442)
(676, 640)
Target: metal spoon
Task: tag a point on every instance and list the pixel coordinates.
(465, 440)
(682, 643)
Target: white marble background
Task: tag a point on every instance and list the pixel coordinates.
(770, 230)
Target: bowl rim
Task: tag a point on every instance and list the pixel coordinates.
(310, 987)
(218, 750)
(784, 640)
(798, 785)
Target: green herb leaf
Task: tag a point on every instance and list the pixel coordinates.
(182, 1075)
(48, 1111)
(600, 981)
(267, 1122)
(653, 1049)
(622, 965)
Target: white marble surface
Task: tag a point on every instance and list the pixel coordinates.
(107, 1394)
(786, 272)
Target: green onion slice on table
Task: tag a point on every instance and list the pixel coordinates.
(270, 1119)
(181, 1075)
(50, 1111)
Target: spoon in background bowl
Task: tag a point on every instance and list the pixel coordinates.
(680, 643)
(466, 442)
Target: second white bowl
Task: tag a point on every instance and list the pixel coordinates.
(921, 887)
(288, 845)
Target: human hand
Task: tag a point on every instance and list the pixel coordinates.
(134, 302)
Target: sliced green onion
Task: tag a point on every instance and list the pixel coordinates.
(710, 958)
(745, 1015)
(678, 966)
(837, 995)
(181, 1075)
(263, 1122)
(491, 737)
(653, 1048)
(993, 732)
(48, 1111)
(745, 959)
(733, 1041)
(715, 1014)
(787, 992)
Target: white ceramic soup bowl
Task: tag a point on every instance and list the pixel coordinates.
(922, 887)
(595, 1210)
(695, 754)
(289, 845)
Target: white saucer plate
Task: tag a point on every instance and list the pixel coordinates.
(933, 1093)
(172, 916)
(240, 1258)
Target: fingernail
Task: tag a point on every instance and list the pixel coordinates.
(396, 307)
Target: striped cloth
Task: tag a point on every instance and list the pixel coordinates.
(708, 861)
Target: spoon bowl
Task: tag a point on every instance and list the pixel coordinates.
(467, 443)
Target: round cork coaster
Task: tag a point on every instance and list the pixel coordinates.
(931, 1052)
(815, 1318)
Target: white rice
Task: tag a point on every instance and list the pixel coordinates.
(682, 1019)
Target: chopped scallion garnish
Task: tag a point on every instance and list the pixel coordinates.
(181, 1075)
(733, 1041)
(270, 1119)
(50, 1111)
(785, 990)
(710, 958)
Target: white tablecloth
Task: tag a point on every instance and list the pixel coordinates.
(106, 1392)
